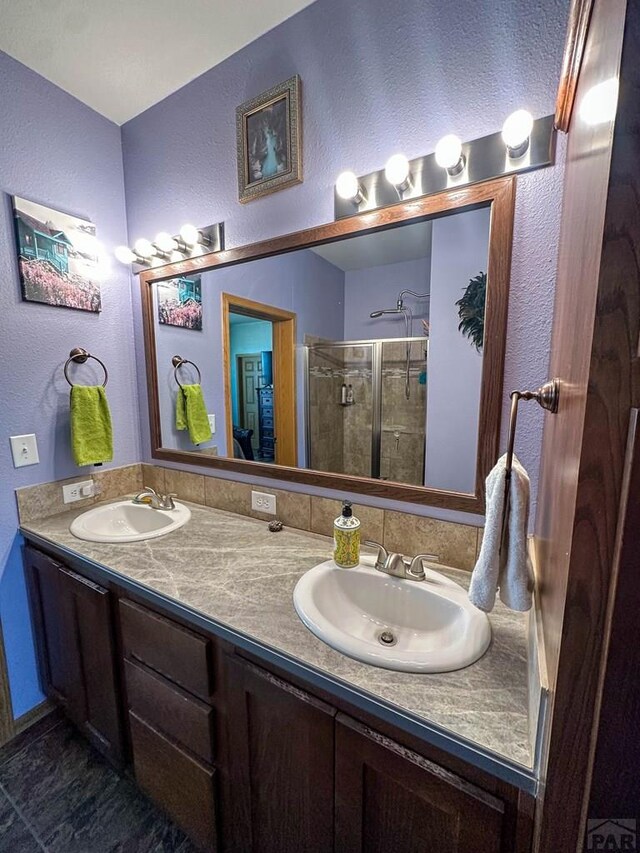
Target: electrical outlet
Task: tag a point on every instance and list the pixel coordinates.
(78, 491)
(24, 449)
(212, 423)
(263, 502)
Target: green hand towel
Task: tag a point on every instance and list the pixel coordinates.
(191, 413)
(91, 433)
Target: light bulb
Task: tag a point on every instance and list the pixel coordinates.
(144, 248)
(600, 103)
(165, 242)
(190, 235)
(348, 187)
(125, 255)
(516, 132)
(396, 171)
(449, 154)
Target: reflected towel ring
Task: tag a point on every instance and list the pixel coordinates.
(79, 355)
(178, 361)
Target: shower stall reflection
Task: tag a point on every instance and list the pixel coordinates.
(382, 432)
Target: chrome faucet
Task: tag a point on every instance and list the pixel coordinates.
(150, 497)
(399, 566)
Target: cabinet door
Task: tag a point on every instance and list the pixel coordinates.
(93, 693)
(48, 609)
(281, 765)
(391, 800)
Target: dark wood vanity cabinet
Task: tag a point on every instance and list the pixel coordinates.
(244, 760)
(391, 800)
(281, 765)
(76, 649)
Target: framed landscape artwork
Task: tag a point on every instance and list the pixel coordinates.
(269, 141)
(180, 303)
(57, 257)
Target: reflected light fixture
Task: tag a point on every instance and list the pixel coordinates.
(397, 172)
(144, 248)
(166, 243)
(516, 133)
(600, 103)
(449, 155)
(349, 188)
(126, 256)
(193, 237)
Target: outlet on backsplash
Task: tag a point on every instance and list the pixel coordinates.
(78, 491)
(263, 502)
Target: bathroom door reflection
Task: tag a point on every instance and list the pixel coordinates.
(340, 408)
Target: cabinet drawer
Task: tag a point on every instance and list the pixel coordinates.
(170, 709)
(181, 655)
(267, 423)
(174, 780)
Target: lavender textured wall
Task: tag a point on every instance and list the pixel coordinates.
(378, 77)
(301, 282)
(374, 288)
(58, 152)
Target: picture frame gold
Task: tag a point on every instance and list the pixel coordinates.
(269, 141)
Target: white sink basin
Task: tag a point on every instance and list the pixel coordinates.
(125, 521)
(434, 626)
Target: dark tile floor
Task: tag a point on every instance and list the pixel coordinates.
(58, 795)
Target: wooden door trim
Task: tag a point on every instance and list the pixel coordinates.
(284, 371)
(578, 27)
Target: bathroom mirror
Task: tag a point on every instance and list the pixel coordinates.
(364, 355)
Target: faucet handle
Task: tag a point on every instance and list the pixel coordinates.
(383, 554)
(416, 569)
(168, 501)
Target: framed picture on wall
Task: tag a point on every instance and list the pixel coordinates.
(180, 303)
(269, 141)
(57, 257)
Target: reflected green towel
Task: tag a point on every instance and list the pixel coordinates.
(91, 433)
(191, 413)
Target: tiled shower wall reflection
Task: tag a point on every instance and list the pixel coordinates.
(404, 418)
(340, 437)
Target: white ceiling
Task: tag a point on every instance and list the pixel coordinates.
(405, 243)
(122, 56)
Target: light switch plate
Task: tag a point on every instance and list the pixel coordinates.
(24, 449)
(212, 423)
(263, 502)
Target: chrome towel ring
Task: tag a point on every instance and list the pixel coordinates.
(79, 355)
(178, 361)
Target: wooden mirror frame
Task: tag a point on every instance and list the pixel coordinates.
(500, 195)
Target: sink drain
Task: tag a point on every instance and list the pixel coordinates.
(387, 638)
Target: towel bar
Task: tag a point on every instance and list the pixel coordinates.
(79, 355)
(178, 361)
(547, 396)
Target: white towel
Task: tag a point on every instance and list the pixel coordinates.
(507, 569)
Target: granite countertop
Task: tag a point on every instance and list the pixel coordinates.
(230, 569)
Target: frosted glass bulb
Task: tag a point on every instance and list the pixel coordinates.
(165, 242)
(397, 170)
(190, 235)
(124, 255)
(449, 153)
(144, 248)
(516, 132)
(347, 186)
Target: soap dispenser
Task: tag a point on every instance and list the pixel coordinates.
(346, 538)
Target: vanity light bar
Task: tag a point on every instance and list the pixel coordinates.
(524, 144)
(165, 248)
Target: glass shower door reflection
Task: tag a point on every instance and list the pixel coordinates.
(340, 408)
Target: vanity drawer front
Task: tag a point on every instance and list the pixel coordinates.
(176, 652)
(179, 784)
(170, 709)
